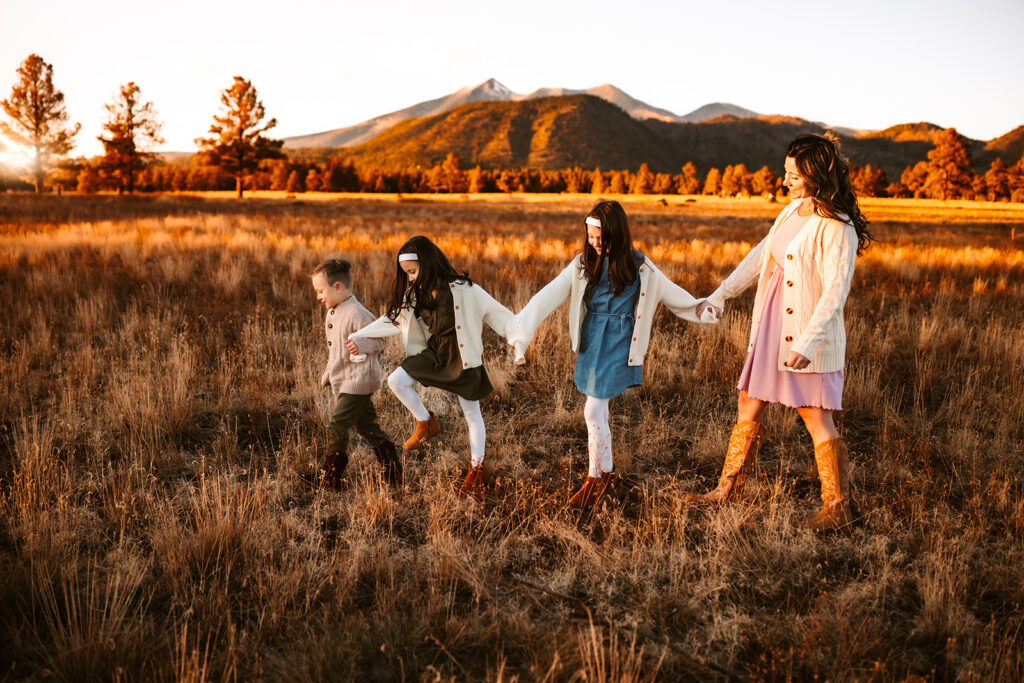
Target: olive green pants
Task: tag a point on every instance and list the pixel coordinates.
(354, 410)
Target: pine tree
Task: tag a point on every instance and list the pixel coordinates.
(617, 183)
(643, 183)
(997, 182)
(763, 181)
(688, 182)
(913, 178)
(713, 182)
(39, 118)
(949, 167)
(237, 142)
(597, 187)
(454, 178)
(729, 186)
(131, 128)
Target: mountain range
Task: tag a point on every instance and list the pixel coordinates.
(492, 126)
(493, 91)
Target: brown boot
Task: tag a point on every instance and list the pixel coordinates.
(334, 464)
(425, 429)
(475, 482)
(592, 491)
(832, 458)
(739, 462)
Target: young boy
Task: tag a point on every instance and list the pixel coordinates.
(353, 379)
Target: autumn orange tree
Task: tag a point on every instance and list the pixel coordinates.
(131, 129)
(237, 143)
(39, 119)
(949, 167)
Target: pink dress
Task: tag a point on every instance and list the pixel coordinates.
(761, 377)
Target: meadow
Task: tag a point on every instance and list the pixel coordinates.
(160, 360)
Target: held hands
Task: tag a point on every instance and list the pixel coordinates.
(707, 312)
(351, 346)
(796, 361)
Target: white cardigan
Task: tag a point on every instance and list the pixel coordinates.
(473, 308)
(571, 283)
(818, 272)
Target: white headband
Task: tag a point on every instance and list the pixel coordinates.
(408, 257)
(596, 222)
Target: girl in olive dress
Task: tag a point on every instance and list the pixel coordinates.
(440, 314)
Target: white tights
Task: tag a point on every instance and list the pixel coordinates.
(402, 385)
(599, 436)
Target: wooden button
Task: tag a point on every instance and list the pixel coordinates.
(634, 338)
(461, 345)
(458, 327)
(789, 257)
(789, 339)
(465, 365)
(789, 283)
(456, 308)
(789, 310)
(330, 326)
(328, 343)
(643, 293)
(332, 311)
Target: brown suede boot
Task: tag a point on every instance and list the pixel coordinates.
(592, 491)
(425, 429)
(739, 462)
(832, 458)
(475, 483)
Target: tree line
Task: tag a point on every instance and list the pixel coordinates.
(237, 154)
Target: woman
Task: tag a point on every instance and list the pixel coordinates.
(803, 269)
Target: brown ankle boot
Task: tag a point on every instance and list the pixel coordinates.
(832, 459)
(334, 464)
(425, 429)
(475, 483)
(739, 462)
(592, 491)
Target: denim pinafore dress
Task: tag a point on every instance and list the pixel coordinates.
(602, 366)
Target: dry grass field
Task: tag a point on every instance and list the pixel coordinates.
(160, 359)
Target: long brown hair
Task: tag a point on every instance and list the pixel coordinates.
(616, 246)
(435, 270)
(826, 173)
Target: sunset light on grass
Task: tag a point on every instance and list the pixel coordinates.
(767, 427)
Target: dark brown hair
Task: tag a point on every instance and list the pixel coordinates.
(826, 173)
(616, 246)
(335, 270)
(435, 270)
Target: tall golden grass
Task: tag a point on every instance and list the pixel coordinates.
(160, 361)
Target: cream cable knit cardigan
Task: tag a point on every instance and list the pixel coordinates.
(473, 308)
(342, 375)
(818, 272)
(571, 283)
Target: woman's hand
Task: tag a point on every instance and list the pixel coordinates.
(796, 361)
(351, 346)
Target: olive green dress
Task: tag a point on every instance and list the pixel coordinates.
(440, 364)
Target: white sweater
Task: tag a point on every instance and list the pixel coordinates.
(473, 307)
(571, 283)
(818, 272)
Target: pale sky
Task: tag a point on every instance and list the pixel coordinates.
(324, 65)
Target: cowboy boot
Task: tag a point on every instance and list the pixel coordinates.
(391, 466)
(476, 481)
(334, 464)
(832, 459)
(592, 491)
(425, 429)
(739, 462)
(583, 498)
